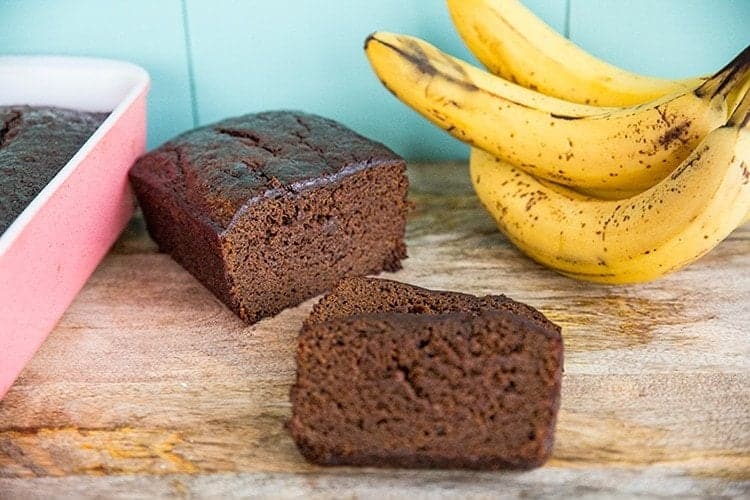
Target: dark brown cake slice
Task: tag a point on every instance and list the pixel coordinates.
(454, 390)
(370, 295)
(35, 143)
(270, 209)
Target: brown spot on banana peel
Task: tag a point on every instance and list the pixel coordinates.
(535, 198)
(687, 164)
(674, 134)
(565, 117)
(576, 274)
(663, 116)
(445, 57)
(566, 260)
(424, 65)
(439, 116)
(745, 121)
(420, 60)
(393, 92)
(557, 176)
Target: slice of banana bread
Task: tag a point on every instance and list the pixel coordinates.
(389, 374)
(453, 390)
(270, 209)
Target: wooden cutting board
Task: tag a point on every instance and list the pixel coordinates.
(150, 387)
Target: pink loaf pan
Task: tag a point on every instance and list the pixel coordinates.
(54, 245)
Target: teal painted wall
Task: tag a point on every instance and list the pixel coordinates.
(210, 59)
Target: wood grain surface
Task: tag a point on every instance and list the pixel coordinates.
(149, 387)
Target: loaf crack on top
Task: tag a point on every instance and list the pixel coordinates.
(272, 208)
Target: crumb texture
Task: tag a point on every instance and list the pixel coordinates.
(455, 390)
(288, 249)
(35, 143)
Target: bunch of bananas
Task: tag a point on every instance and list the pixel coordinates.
(600, 174)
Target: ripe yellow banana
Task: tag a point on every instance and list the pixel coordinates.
(512, 42)
(612, 151)
(638, 239)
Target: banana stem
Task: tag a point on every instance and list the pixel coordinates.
(741, 115)
(725, 79)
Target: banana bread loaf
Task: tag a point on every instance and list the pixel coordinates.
(435, 387)
(270, 209)
(35, 143)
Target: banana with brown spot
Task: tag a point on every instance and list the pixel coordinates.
(613, 151)
(514, 43)
(627, 241)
